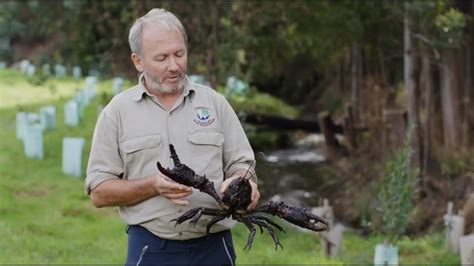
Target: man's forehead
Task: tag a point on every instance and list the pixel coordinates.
(159, 32)
(160, 26)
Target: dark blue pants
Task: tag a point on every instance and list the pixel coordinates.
(145, 248)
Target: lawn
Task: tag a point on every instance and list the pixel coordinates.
(45, 216)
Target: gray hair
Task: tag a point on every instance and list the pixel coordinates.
(156, 15)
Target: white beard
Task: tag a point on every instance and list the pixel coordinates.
(155, 85)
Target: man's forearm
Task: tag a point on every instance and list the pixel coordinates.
(118, 192)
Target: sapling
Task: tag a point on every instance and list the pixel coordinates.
(396, 191)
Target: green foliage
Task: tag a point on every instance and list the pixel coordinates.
(437, 24)
(28, 20)
(283, 47)
(286, 48)
(458, 165)
(262, 103)
(396, 191)
(332, 103)
(104, 42)
(450, 26)
(31, 24)
(5, 49)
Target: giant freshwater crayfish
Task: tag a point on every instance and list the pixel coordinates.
(234, 203)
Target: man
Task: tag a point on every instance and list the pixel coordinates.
(134, 131)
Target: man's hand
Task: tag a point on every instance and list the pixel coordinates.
(170, 189)
(255, 193)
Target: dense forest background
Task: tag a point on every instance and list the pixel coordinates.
(391, 63)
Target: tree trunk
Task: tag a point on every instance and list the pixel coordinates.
(467, 94)
(349, 128)
(450, 104)
(465, 98)
(339, 69)
(347, 73)
(436, 123)
(331, 144)
(426, 85)
(411, 87)
(394, 130)
(383, 75)
(355, 82)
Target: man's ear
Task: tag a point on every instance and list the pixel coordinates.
(137, 62)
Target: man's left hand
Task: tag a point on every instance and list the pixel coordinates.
(255, 193)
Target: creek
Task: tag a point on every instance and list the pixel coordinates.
(297, 175)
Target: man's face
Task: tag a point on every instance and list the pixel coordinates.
(163, 60)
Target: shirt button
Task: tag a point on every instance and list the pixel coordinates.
(180, 233)
(180, 211)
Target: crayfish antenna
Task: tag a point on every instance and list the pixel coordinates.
(248, 170)
(174, 156)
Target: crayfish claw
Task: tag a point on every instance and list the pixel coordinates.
(316, 223)
(174, 156)
(161, 168)
(295, 215)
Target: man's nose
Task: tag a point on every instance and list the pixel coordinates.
(173, 64)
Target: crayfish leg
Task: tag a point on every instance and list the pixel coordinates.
(252, 230)
(214, 221)
(267, 223)
(196, 213)
(193, 214)
(268, 220)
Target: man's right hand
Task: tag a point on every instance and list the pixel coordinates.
(170, 189)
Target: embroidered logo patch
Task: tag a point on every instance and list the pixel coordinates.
(203, 118)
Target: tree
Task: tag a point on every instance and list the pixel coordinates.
(411, 85)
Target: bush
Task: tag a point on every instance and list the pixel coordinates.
(396, 190)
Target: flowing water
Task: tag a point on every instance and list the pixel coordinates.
(297, 175)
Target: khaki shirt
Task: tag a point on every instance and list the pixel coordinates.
(134, 131)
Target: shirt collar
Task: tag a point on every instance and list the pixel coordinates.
(188, 88)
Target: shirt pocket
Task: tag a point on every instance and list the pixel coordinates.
(140, 155)
(206, 151)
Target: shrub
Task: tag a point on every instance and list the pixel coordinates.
(396, 190)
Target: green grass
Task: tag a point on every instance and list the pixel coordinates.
(45, 216)
(304, 248)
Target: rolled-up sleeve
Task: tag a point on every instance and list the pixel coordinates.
(105, 161)
(238, 154)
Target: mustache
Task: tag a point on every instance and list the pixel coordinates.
(178, 74)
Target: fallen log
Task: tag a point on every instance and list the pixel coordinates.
(283, 123)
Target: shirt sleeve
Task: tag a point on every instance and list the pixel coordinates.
(238, 154)
(105, 161)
